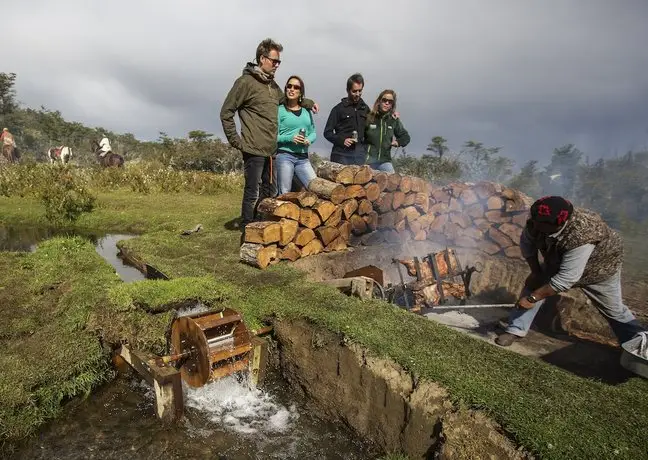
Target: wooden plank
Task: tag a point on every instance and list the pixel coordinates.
(229, 352)
(166, 381)
(257, 370)
(230, 368)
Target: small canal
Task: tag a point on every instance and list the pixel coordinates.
(223, 420)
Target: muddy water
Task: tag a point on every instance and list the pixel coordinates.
(223, 420)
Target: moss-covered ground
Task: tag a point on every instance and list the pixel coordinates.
(62, 307)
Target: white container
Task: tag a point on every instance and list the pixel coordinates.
(630, 358)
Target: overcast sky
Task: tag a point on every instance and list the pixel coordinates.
(525, 75)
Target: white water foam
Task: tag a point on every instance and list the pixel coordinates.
(198, 307)
(233, 405)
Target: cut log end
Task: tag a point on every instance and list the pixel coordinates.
(289, 229)
(362, 175)
(358, 225)
(263, 232)
(304, 236)
(312, 248)
(309, 218)
(324, 209)
(338, 244)
(279, 208)
(327, 233)
(290, 252)
(258, 255)
(305, 199)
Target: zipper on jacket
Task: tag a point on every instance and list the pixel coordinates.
(380, 141)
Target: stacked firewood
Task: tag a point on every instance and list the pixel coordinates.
(350, 205)
(337, 204)
(486, 216)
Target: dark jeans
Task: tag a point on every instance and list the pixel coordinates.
(347, 160)
(260, 182)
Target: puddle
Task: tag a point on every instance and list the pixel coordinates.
(106, 246)
(26, 239)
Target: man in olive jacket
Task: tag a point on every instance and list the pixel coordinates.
(256, 96)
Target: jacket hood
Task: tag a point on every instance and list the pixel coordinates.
(253, 69)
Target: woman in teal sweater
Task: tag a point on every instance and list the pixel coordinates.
(384, 130)
(296, 133)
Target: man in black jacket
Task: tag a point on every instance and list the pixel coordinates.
(348, 116)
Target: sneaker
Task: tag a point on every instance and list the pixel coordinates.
(506, 339)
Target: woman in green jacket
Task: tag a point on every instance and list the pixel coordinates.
(384, 130)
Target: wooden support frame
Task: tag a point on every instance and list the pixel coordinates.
(258, 360)
(165, 380)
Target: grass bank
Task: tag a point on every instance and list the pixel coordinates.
(549, 411)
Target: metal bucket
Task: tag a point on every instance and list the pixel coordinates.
(630, 358)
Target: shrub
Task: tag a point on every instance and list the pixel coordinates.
(64, 196)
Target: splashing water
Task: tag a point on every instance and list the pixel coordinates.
(198, 307)
(233, 405)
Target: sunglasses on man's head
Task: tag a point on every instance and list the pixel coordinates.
(291, 86)
(384, 100)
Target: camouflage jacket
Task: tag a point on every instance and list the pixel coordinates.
(584, 227)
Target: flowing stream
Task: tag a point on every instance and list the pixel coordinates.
(223, 420)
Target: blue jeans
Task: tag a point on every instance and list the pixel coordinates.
(289, 165)
(387, 167)
(606, 296)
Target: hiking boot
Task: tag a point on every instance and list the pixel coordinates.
(506, 339)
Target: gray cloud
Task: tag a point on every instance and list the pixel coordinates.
(525, 75)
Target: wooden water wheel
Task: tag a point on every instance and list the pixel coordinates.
(212, 345)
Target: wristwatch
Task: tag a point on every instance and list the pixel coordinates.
(531, 298)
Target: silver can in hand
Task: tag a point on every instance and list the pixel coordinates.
(354, 136)
(302, 132)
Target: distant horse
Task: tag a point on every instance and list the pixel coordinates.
(64, 153)
(9, 154)
(110, 159)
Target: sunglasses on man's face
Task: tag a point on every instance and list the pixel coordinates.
(291, 86)
(384, 100)
(275, 62)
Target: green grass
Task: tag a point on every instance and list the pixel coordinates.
(550, 412)
(47, 356)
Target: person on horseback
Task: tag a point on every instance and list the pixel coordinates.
(104, 144)
(8, 144)
(7, 138)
